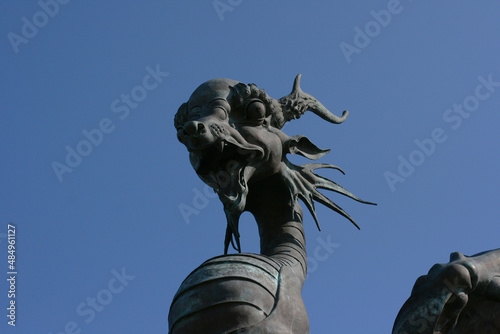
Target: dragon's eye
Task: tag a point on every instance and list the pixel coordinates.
(256, 110)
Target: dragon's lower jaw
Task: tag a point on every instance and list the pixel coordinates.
(227, 167)
(231, 185)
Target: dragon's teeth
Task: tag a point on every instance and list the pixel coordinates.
(220, 146)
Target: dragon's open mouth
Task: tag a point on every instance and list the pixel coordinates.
(226, 166)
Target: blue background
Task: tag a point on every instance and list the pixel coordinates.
(119, 208)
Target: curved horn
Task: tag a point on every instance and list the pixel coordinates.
(297, 103)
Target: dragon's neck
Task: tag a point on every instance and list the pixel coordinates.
(279, 218)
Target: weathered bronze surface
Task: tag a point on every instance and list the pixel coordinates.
(459, 297)
(233, 134)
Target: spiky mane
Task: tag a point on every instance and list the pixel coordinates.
(303, 184)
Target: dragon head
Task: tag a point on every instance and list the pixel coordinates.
(233, 134)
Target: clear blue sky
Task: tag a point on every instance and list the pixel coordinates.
(428, 73)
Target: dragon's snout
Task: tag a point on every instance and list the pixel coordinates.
(196, 135)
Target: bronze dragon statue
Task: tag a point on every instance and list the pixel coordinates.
(233, 134)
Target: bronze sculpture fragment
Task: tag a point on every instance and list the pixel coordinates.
(459, 297)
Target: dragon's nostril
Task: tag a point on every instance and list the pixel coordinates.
(201, 128)
(194, 128)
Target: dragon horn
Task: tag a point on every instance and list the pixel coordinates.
(297, 103)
